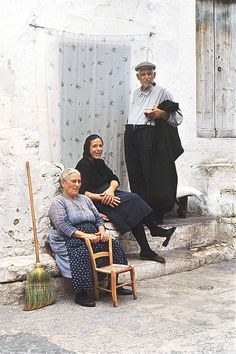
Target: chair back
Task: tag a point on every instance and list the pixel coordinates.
(111, 270)
(97, 255)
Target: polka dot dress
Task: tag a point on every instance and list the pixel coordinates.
(80, 263)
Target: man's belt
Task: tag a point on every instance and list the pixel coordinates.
(137, 126)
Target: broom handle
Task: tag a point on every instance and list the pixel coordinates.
(36, 245)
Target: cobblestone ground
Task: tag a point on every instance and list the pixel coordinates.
(192, 312)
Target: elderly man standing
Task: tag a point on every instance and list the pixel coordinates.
(152, 143)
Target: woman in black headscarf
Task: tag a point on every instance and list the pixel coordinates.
(127, 211)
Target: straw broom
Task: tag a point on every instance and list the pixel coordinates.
(39, 290)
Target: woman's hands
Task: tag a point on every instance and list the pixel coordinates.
(94, 238)
(97, 237)
(100, 236)
(104, 217)
(103, 236)
(110, 200)
(108, 197)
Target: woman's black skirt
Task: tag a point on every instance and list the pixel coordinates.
(128, 213)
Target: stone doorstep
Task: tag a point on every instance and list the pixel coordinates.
(180, 260)
(190, 232)
(187, 250)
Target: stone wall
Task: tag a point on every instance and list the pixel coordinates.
(16, 226)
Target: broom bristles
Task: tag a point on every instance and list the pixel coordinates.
(39, 291)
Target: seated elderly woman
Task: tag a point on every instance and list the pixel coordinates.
(73, 218)
(127, 211)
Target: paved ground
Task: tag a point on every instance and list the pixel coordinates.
(192, 312)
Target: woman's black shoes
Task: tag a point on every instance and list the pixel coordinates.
(160, 232)
(85, 302)
(168, 236)
(83, 299)
(124, 291)
(121, 290)
(157, 231)
(152, 256)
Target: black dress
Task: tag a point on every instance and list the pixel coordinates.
(96, 177)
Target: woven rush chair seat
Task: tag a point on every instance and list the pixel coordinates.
(118, 268)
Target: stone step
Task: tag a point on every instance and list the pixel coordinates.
(177, 260)
(190, 232)
(183, 259)
(197, 242)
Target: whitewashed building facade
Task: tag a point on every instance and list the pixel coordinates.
(67, 69)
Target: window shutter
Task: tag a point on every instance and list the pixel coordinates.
(216, 68)
(225, 68)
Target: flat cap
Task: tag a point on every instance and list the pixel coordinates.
(145, 65)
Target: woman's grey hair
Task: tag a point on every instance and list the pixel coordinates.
(65, 175)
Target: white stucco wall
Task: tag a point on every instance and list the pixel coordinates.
(206, 164)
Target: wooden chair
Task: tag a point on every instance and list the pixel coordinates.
(111, 269)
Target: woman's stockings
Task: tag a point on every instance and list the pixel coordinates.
(140, 236)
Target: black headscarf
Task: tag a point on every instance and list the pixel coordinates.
(87, 143)
(99, 164)
(88, 166)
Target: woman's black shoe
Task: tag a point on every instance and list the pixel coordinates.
(168, 236)
(124, 291)
(157, 231)
(160, 232)
(83, 299)
(121, 290)
(152, 257)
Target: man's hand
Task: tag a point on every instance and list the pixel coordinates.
(157, 113)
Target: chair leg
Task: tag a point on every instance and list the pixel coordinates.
(113, 289)
(132, 276)
(96, 290)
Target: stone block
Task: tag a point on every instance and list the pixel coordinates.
(192, 231)
(16, 268)
(226, 229)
